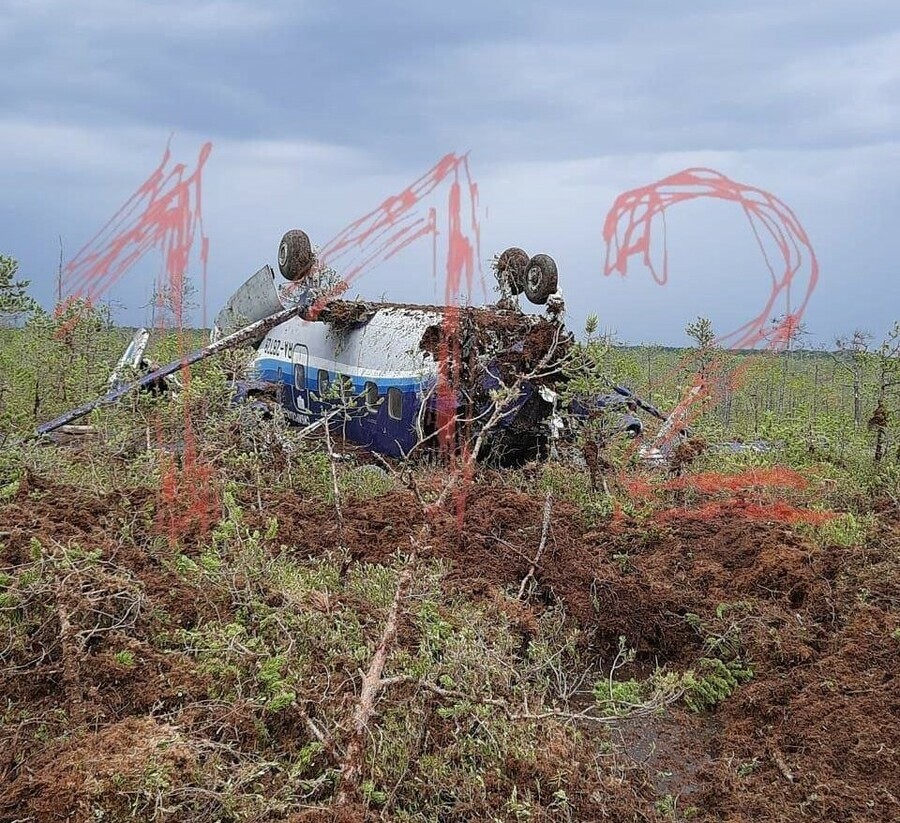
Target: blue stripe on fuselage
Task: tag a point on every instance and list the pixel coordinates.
(268, 370)
(374, 429)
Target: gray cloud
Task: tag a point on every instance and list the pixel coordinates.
(319, 111)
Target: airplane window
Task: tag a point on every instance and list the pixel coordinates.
(324, 383)
(395, 403)
(371, 396)
(299, 376)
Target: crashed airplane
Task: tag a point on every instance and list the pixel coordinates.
(385, 367)
(400, 379)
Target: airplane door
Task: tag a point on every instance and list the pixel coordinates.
(300, 362)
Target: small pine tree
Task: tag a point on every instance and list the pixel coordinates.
(14, 298)
(701, 331)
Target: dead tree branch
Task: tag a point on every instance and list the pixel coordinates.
(545, 526)
(373, 681)
(514, 714)
(319, 734)
(372, 685)
(335, 488)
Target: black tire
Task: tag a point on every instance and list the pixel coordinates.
(541, 278)
(295, 255)
(511, 266)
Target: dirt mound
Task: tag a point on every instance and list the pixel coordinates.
(42, 511)
(729, 557)
(816, 730)
(815, 734)
(44, 516)
(90, 587)
(629, 580)
(124, 769)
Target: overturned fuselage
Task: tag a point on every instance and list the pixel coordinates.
(397, 379)
(394, 377)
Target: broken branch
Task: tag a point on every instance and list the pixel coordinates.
(372, 685)
(548, 502)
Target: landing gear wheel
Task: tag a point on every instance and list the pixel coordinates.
(511, 266)
(541, 278)
(295, 256)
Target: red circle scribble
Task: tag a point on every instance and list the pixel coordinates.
(628, 230)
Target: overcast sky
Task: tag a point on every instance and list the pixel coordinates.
(317, 111)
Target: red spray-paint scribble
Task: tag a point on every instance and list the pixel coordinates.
(628, 230)
(772, 513)
(774, 477)
(396, 224)
(733, 504)
(164, 214)
(405, 218)
(712, 482)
